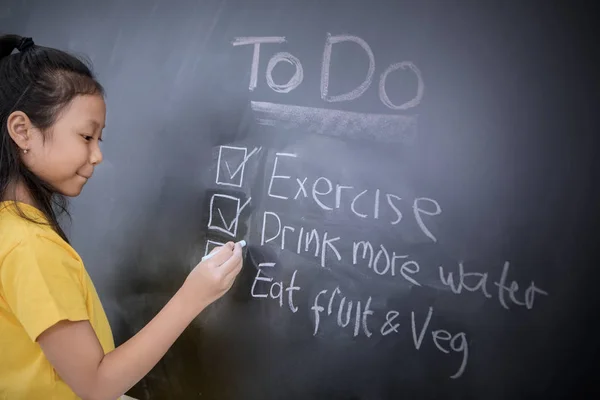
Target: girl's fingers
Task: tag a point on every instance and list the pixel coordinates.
(233, 262)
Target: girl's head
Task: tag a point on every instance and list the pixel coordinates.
(52, 113)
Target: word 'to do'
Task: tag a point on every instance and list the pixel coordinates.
(298, 76)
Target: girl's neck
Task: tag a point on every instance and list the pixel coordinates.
(17, 191)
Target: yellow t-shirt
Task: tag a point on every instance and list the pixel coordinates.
(42, 281)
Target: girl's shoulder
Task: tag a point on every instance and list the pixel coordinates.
(14, 228)
(12, 213)
(33, 233)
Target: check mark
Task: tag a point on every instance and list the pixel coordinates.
(233, 222)
(242, 164)
(225, 203)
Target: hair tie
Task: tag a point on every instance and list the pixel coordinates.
(25, 44)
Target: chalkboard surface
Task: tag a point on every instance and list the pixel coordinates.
(416, 181)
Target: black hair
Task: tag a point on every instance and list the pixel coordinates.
(40, 82)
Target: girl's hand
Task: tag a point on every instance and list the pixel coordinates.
(212, 278)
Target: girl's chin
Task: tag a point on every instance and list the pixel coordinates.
(74, 189)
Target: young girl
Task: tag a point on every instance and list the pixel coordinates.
(55, 340)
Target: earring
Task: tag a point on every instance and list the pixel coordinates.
(25, 151)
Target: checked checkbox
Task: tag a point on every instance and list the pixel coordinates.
(224, 213)
(231, 164)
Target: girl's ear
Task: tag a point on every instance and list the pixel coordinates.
(19, 128)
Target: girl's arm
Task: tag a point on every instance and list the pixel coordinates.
(75, 352)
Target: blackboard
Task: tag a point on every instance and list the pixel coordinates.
(416, 181)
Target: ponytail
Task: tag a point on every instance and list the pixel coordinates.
(8, 43)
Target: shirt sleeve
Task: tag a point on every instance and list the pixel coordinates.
(42, 286)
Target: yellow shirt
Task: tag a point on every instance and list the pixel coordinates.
(42, 281)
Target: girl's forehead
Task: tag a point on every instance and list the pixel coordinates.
(89, 110)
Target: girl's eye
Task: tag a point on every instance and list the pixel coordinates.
(88, 138)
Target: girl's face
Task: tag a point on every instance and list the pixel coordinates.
(66, 156)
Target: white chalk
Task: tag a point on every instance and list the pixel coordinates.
(206, 257)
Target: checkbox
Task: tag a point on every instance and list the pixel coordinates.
(231, 164)
(210, 245)
(224, 213)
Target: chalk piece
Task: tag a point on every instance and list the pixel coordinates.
(206, 257)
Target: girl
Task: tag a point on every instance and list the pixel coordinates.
(55, 339)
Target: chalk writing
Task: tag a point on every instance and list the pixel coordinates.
(457, 287)
(389, 326)
(384, 262)
(256, 41)
(225, 202)
(381, 127)
(365, 204)
(530, 292)
(345, 314)
(323, 244)
(420, 87)
(358, 91)
(276, 289)
(294, 81)
(479, 282)
(330, 40)
(238, 173)
(418, 335)
(273, 176)
(418, 211)
(336, 306)
(354, 315)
